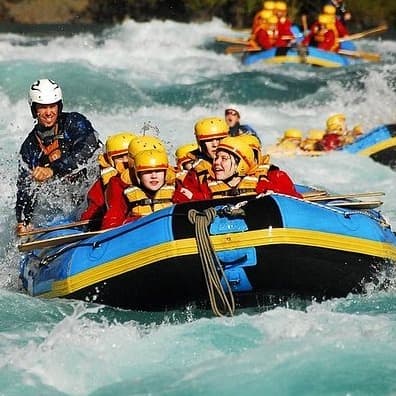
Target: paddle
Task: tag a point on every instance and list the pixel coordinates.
(356, 36)
(231, 40)
(356, 205)
(54, 228)
(235, 49)
(370, 56)
(61, 240)
(314, 194)
(344, 196)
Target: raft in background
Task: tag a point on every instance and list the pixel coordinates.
(273, 245)
(379, 144)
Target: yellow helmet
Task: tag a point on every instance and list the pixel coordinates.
(236, 146)
(254, 143)
(336, 123)
(325, 19)
(148, 160)
(280, 6)
(316, 134)
(117, 145)
(265, 14)
(144, 142)
(292, 133)
(269, 5)
(211, 128)
(272, 20)
(329, 9)
(184, 154)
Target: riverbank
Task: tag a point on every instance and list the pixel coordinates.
(237, 13)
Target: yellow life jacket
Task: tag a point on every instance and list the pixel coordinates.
(261, 170)
(126, 177)
(203, 168)
(141, 204)
(247, 186)
(107, 173)
(181, 175)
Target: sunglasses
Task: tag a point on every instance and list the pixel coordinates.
(231, 112)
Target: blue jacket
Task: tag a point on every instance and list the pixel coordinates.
(244, 129)
(78, 141)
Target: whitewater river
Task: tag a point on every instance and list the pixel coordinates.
(164, 76)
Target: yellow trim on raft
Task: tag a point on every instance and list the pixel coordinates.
(379, 147)
(183, 247)
(311, 60)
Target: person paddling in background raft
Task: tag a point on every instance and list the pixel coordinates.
(337, 134)
(262, 15)
(117, 203)
(59, 146)
(267, 35)
(208, 132)
(288, 144)
(341, 12)
(323, 34)
(341, 28)
(112, 162)
(232, 117)
(284, 23)
(309, 144)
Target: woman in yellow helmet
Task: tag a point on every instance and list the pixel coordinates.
(116, 201)
(112, 162)
(152, 191)
(127, 203)
(209, 132)
(235, 173)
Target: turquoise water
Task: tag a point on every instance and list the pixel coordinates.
(164, 76)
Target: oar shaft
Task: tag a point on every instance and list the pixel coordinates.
(345, 196)
(55, 228)
(356, 36)
(51, 242)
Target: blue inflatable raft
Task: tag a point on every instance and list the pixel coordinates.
(379, 144)
(272, 245)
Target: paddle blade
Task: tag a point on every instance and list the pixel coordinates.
(369, 56)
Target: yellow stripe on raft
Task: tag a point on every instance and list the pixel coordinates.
(183, 247)
(379, 147)
(298, 59)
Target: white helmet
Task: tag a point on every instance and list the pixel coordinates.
(44, 91)
(232, 107)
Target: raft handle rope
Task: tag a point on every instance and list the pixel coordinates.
(211, 264)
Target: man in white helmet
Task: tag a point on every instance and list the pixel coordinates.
(232, 117)
(59, 145)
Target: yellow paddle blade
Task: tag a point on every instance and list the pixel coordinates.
(370, 56)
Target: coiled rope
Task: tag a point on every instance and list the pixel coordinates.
(221, 304)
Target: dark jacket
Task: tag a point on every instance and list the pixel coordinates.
(77, 142)
(244, 129)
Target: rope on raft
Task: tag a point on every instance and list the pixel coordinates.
(210, 263)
